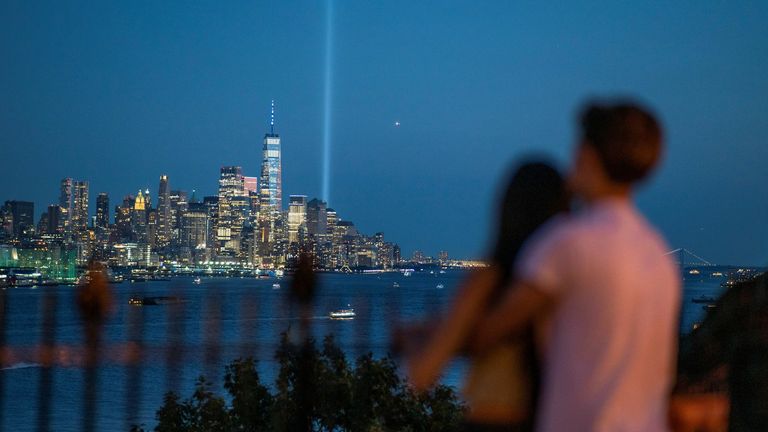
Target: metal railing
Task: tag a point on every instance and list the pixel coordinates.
(95, 303)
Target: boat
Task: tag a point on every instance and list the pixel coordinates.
(342, 314)
(708, 307)
(197, 281)
(440, 286)
(275, 285)
(395, 285)
(704, 299)
(135, 301)
(155, 301)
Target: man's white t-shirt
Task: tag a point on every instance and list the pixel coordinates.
(611, 339)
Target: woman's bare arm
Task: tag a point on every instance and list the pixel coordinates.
(521, 305)
(451, 334)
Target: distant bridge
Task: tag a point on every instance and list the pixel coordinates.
(686, 258)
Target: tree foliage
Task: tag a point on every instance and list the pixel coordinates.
(317, 390)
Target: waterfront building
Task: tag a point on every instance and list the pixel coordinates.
(418, 257)
(126, 254)
(442, 256)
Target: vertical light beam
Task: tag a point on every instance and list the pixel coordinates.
(327, 103)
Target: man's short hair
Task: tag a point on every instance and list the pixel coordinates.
(626, 136)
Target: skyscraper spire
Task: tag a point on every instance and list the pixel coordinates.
(272, 119)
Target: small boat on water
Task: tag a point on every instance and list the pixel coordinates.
(704, 299)
(275, 285)
(395, 285)
(197, 281)
(440, 286)
(155, 301)
(342, 314)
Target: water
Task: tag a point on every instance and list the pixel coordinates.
(245, 310)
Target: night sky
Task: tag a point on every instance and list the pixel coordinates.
(118, 94)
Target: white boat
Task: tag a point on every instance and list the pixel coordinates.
(440, 286)
(197, 281)
(275, 285)
(396, 285)
(342, 314)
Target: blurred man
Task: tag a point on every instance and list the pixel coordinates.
(603, 296)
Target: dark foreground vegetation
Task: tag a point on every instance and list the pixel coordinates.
(316, 389)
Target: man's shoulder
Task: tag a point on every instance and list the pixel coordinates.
(562, 235)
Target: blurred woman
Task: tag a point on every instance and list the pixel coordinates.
(500, 389)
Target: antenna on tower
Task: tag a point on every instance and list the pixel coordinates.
(272, 119)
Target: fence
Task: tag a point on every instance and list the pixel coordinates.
(95, 345)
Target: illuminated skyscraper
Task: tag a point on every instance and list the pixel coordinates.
(317, 217)
(297, 217)
(234, 210)
(65, 202)
(123, 225)
(251, 184)
(139, 220)
(79, 219)
(55, 224)
(271, 168)
(23, 215)
(194, 230)
(102, 210)
(179, 203)
(80, 208)
(270, 194)
(164, 222)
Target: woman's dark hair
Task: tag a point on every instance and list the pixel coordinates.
(535, 193)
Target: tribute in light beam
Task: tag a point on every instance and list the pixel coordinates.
(327, 104)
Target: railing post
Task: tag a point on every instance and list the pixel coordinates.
(302, 293)
(95, 302)
(46, 359)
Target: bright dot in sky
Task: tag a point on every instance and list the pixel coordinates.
(397, 124)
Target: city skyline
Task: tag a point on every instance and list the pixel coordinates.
(245, 224)
(243, 227)
(146, 89)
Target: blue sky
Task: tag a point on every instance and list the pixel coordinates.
(120, 93)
